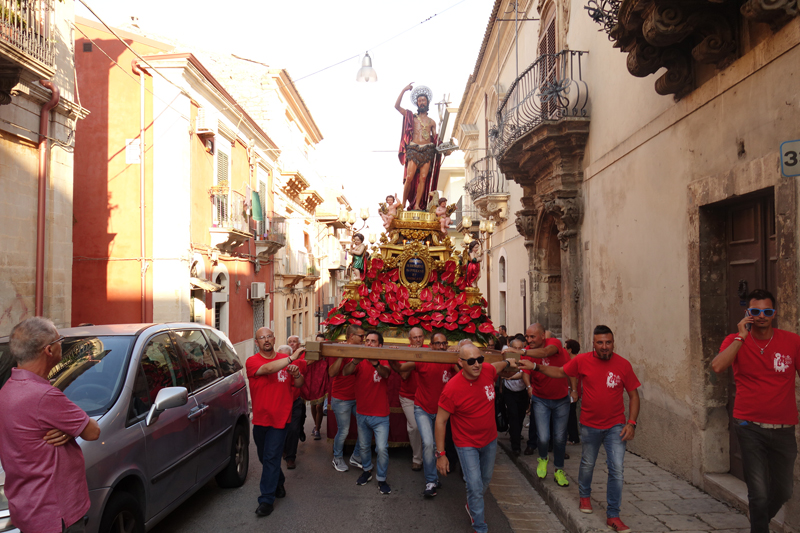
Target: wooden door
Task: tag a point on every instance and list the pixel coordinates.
(752, 259)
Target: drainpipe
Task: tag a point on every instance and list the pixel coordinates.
(41, 213)
(142, 250)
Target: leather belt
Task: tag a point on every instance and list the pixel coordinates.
(765, 426)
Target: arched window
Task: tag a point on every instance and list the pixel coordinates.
(502, 270)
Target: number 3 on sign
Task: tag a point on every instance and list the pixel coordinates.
(790, 158)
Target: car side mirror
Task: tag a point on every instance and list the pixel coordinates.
(167, 398)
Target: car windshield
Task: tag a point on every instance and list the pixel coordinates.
(92, 371)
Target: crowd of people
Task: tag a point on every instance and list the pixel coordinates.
(451, 409)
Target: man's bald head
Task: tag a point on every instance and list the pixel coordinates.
(535, 335)
(416, 336)
(468, 351)
(294, 342)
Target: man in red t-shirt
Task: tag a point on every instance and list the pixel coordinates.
(431, 380)
(468, 402)
(271, 375)
(372, 412)
(765, 361)
(550, 399)
(604, 375)
(343, 403)
(295, 430)
(408, 391)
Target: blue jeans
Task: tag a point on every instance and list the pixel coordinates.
(379, 425)
(478, 465)
(269, 444)
(542, 410)
(343, 409)
(591, 439)
(425, 423)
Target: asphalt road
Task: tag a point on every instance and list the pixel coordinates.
(320, 499)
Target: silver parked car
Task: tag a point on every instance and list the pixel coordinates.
(172, 405)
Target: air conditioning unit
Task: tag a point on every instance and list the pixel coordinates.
(258, 290)
(206, 122)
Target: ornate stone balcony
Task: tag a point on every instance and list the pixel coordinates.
(27, 42)
(676, 34)
(488, 189)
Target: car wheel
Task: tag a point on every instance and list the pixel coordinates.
(235, 473)
(122, 514)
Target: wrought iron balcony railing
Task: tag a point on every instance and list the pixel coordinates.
(229, 209)
(487, 179)
(550, 89)
(27, 25)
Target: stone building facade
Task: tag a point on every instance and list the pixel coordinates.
(36, 46)
(647, 156)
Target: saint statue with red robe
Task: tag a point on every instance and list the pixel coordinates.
(418, 153)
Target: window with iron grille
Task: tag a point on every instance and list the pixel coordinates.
(258, 315)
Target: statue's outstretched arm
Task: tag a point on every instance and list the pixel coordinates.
(400, 99)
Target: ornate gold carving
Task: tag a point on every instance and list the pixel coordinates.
(473, 296)
(351, 290)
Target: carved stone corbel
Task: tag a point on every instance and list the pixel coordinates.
(526, 223)
(567, 212)
(774, 12)
(9, 78)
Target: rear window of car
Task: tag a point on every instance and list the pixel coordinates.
(92, 371)
(228, 360)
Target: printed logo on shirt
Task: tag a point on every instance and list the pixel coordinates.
(445, 376)
(489, 391)
(376, 377)
(782, 362)
(613, 380)
(283, 376)
(545, 361)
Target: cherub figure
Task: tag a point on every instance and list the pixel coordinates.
(358, 249)
(388, 210)
(444, 216)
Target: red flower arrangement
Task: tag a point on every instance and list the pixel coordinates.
(384, 305)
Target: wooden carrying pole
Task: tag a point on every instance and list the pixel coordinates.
(315, 350)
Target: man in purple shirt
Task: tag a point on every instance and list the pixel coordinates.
(37, 437)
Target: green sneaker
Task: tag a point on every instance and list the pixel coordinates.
(561, 478)
(541, 470)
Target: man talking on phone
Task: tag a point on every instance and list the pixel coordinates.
(765, 362)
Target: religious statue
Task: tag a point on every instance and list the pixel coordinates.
(418, 151)
(389, 210)
(474, 263)
(358, 249)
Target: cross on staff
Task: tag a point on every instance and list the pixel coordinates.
(315, 350)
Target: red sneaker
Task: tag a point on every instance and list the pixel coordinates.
(617, 525)
(586, 505)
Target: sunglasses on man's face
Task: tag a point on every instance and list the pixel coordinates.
(472, 360)
(754, 311)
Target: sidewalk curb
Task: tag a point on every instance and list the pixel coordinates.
(565, 509)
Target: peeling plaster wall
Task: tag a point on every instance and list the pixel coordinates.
(646, 157)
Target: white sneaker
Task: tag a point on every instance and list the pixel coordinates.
(355, 462)
(339, 464)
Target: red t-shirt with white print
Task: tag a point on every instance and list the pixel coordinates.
(271, 394)
(471, 408)
(372, 390)
(546, 387)
(432, 378)
(765, 383)
(602, 406)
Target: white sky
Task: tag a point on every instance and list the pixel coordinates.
(360, 126)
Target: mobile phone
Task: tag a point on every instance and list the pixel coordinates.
(747, 326)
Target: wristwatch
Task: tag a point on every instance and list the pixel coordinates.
(439, 454)
(633, 423)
